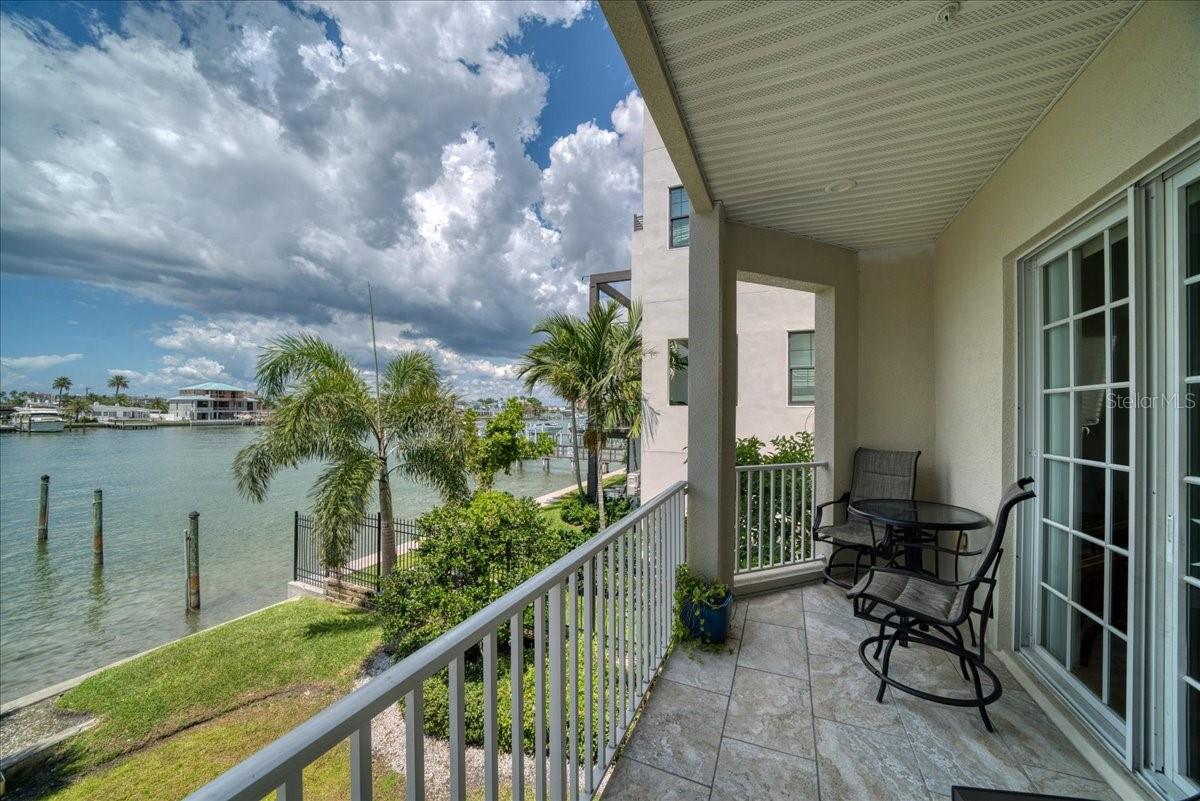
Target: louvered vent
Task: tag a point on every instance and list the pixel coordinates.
(785, 99)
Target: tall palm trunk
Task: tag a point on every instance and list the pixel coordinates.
(575, 450)
(387, 534)
(600, 485)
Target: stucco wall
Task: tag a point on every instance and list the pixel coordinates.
(765, 315)
(1136, 102)
(895, 358)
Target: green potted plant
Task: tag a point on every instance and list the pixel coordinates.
(703, 606)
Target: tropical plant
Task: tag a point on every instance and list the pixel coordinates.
(325, 410)
(62, 384)
(117, 383)
(552, 363)
(498, 447)
(610, 369)
(469, 555)
(596, 360)
(692, 592)
(78, 407)
(540, 446)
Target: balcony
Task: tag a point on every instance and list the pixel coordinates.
(790, 712)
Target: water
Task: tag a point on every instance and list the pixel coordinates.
(60, 618)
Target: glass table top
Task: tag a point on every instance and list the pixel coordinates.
(918, 514)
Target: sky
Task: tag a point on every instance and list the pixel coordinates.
(181, 183)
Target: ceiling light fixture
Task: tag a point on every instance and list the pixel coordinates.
(840, 185)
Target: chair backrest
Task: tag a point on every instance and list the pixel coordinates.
(1016, 492)
(884, 474)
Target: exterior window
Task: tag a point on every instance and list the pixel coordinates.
(802, 373)
(681, 224)
(677, 372)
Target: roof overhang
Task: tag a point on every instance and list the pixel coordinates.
(858, 123)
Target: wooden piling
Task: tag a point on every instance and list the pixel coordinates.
(97, 527)
(545, 464)
(43, 532)
(193, 562)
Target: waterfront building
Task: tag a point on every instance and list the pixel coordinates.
(775, 332)
(108, 413)
(214, 402)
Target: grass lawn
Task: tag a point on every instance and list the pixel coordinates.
(175, 718)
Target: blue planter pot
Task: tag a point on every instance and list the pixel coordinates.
(706, 622)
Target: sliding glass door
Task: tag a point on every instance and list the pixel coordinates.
(1083, 313)
(1181, 201)
(1109, 417)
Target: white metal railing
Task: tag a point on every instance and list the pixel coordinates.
(604, 611)
(774, 514)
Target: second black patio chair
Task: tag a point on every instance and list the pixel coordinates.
(914, 608)
(877, 474)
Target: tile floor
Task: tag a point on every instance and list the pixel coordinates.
(789, 712)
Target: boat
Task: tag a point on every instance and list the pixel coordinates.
(38, 419)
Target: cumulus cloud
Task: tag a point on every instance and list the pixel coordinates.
(39, 362)
(241, 162)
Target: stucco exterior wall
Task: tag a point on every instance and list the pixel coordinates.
(1138, 101)
(765, 315)
(895, 354)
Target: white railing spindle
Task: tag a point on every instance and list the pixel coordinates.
(774, 525)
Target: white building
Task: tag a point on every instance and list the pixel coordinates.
(106, 413)
(774, 332)
(214, 402)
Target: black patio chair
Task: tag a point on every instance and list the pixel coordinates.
(921, 609)
(877, 474)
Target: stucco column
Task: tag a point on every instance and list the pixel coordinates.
(712, 397)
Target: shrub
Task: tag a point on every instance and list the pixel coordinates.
(468, 556)
(578, 511)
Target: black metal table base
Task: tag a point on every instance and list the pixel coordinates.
(969, 662)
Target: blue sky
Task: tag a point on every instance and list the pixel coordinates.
(181, 183)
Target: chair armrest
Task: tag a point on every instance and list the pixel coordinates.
(819, 508)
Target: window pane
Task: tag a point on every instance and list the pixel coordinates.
(1193, 229)
(1193, 531)
(1054, 289)
(1087, 651)
(1120, 508)
(1090, 351)
(1089, 281)
(1054, 625)
(1056, 356)
(677, 372)
(802, 383)
(1117, 659)
(1087, 580)
(1192, 459)
(1089, 500)
(1117, 405)
(1058, 424)
(800, 349)
(1193, 329)
(1118, 255)
(1120, 343)
(1193, 632)
(1193, 732)
(1056, 495)
(680, 232)
(1118, 598)
(1089, 422)
(1054, 557)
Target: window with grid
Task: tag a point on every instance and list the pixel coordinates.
(681, 224)
(802, 373)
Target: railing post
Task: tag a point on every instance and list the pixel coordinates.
(379, 550)
(296, 545)
(360, 763)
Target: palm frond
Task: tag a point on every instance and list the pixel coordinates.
(340, 498)
(294, 358)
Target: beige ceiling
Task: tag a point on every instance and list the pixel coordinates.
(781, 99)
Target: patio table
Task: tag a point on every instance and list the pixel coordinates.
(909, 520)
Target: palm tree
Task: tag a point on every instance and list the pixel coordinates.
(323, 409)
(62, 384)
(553, 363)
(118, 382)
(77, 407)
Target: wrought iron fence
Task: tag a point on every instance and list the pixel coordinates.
(362, 565)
